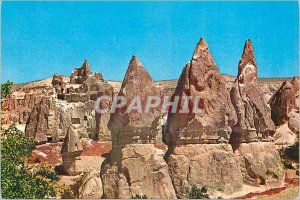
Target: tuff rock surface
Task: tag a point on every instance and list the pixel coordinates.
(68, 104)
(37, 123)
(79, 75)
(16, 108)
(285, 112)
(284, 136)
(254, 120)
(71, 151)
(260, 164)
(252, 135)
(201, 77)
(282, 103)
(198, 150)
(211, 165)
(134, 127)
(91, 185)
(134, 167)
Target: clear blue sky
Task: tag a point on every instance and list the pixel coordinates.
(43, 38)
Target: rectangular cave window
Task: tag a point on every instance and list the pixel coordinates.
(85, 118)
(75, 120)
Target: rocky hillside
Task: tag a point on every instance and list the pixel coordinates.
(230, 149)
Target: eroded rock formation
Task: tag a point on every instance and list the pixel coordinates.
(137, 83)
(70, 104)
(223, 147)
(260, 164)
(254, 121)
(134, 166)
(79, 75)
(91, 185)
(285, 112)
(198, 150)
(252, 135)
(282, 103)
(204, 165)
(16, 108)
(71, 151)
(75, 103)
(37, 123)
(201, 77)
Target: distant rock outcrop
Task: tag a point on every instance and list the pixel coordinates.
(16, 108)
(58, 83)
(76, 103)
(134, 166)
(71, 151)
(198, 150)
(79, 75)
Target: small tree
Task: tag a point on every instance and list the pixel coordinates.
(197, 193)
(18, 180)
(6, 89)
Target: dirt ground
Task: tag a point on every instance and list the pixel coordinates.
(290, 190)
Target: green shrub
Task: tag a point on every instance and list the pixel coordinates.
(6, 89)
(292, 152)
(67, 192)
(18, 180)
(197, 193)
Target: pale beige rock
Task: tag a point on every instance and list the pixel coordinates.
(260, 164)
(284, 136)
(211, 165)
(91, 185)
(71, 151)
(140, 171)
(134, 166)
(294, 119)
